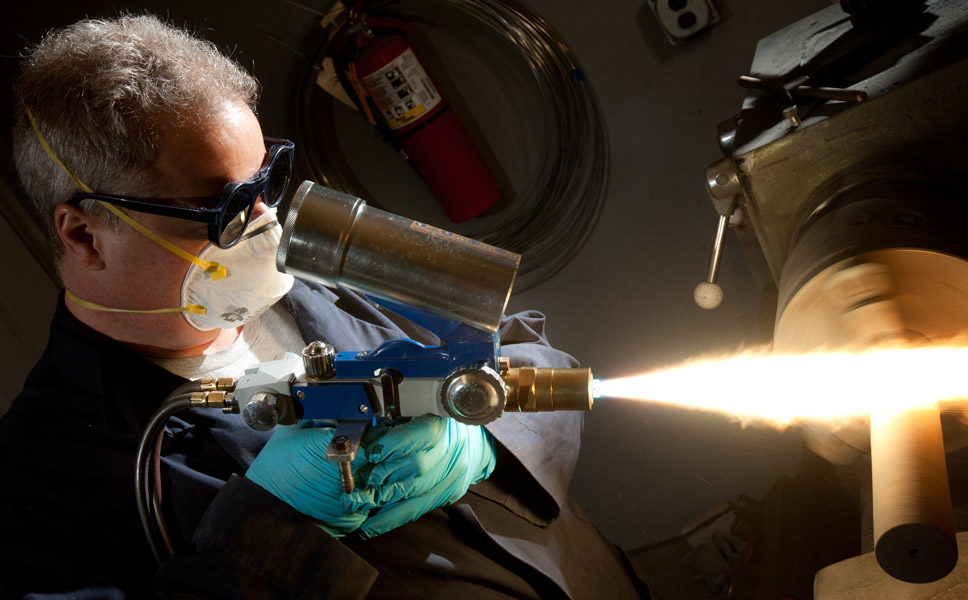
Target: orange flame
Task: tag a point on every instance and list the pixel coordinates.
(761, 388)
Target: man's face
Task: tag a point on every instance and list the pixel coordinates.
(197, 162)
(140, 274)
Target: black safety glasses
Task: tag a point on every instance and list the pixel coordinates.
(232, 208)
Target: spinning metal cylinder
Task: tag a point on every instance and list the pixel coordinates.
(914, 533)
(866, 269)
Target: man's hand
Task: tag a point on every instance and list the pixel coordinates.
(293, 467)
(402, 472)
(418, 466)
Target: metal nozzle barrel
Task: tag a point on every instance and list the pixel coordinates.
(337, 240)
(532, 389)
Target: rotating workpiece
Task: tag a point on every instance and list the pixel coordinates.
(847, 164)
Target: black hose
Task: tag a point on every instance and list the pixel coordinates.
(153, 526)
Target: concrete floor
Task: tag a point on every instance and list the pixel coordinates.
(624, 304)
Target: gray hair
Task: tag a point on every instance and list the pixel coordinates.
(100, 90)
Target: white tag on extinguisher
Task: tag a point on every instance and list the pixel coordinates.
(327, 79)
(402, 90)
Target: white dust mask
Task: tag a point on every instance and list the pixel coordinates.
(252, 285)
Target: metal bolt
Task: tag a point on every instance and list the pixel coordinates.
(346, 480)
(341, 444)
(792, 114)
(300, 394)
(364, 409)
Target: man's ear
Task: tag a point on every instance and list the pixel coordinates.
(79, 233)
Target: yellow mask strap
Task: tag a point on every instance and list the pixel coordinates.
(195, 309)
(53, 156)
(214, 269)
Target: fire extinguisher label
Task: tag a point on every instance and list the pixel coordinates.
(402, 90)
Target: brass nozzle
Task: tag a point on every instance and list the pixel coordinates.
(532, 389)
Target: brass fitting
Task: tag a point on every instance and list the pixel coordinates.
(209, 400)
(533, 389)
(221, 384)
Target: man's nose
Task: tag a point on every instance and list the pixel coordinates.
(260, 208)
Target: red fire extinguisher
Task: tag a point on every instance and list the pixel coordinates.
(426, 127)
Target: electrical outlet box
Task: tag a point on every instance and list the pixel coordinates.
(682, 19)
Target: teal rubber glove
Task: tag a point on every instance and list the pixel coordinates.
(419, 466)
(293, 467)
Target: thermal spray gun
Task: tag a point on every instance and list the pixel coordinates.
(454, 287)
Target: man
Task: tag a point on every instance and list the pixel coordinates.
(138, 145)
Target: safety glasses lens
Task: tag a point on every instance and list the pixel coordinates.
(235, 217)
(278, 179)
